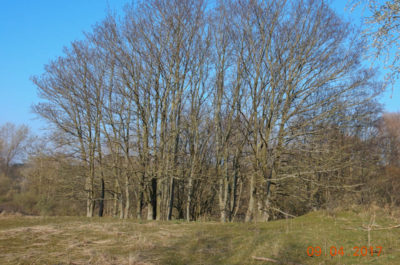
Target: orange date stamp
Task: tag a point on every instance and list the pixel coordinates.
(362, 251)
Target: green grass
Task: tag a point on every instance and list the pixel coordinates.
(78, 240)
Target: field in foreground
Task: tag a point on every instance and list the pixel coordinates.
(78, 240)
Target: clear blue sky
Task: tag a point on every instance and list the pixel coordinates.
(32, 32)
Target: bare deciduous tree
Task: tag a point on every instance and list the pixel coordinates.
(192, 110)
(14, 141)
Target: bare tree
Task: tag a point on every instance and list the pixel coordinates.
(14, 141)
(224, 110)
(74, 92)
(382, 32)
(298, 70)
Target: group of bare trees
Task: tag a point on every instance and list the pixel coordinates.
(238, 109)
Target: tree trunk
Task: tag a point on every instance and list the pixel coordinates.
(221, 199)
(250, 208)
(127, 197)
(116, 197)
(89, 199)
(171, 199)
(121, 207)
(101, 203)
(189, 197)
(149, 210)
(159, 198)
(139, 205)
(154, 197)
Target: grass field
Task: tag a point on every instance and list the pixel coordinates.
(78, 240)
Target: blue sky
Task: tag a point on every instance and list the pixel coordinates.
(33, 32)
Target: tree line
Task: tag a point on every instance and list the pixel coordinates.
(234, 110)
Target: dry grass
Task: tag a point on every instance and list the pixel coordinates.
(75, 240)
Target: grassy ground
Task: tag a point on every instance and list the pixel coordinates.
(75, 240)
